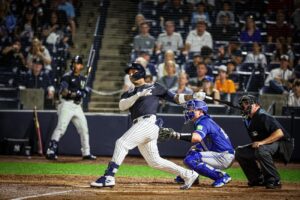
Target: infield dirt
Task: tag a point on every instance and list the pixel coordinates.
(77, 187)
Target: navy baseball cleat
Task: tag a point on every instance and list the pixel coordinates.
(104, 181)
(188, 182)
(89, 157)
(222, 181)
(51, 156)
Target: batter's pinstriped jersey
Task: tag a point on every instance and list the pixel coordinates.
(213, 136)
(148, 104)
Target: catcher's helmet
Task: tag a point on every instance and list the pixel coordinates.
(141, 73)
(247, 100)
(192, 105)
(76, 59)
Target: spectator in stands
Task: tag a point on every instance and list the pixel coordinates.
(36, 77)
(200, 14)
(277, 81)
(150, 67)
(294, 95)
(280, 29)
(177, 11)
(208, 88)
(13, 57)
(56, 31)
(295, 17)
(238, 59)
(250, 32)
(223, 84)
(283, 48)
(191, 67)
(224, 30)
(40, 12)
(28, 28)
(197, 83)
(182, 87)
(139, 18)
(225, 12)
(198, 38)
(161, 69)
(170, 79)
(256, 56)
(232, 73)
(144, 41)
(169, 40)
(68, 7)
(38, 51)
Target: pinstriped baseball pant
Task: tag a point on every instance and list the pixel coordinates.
(144, 134)
(68, 111)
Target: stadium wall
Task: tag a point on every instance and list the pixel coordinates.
(105, 129)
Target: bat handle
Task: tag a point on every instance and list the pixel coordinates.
(209, 98)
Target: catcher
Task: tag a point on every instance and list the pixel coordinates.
(212, 151)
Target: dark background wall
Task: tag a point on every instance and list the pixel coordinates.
(105, 129)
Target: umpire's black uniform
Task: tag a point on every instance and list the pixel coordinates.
(259, 127)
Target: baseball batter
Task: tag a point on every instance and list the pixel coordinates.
(212, 150)
(142, 102)
(72, 89)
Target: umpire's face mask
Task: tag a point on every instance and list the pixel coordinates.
(246, 108)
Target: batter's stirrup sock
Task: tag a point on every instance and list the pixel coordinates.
(112, 169)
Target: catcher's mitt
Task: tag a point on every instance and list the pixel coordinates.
(166, 134)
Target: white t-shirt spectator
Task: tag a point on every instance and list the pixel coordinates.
(173, 42)
(197, 42)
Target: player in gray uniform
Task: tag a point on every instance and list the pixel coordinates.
(72, 90)
(142, 102)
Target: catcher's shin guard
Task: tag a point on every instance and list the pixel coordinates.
(112, 169)
(202, 168)
(52, 150)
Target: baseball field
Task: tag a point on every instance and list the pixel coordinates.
(69, 178)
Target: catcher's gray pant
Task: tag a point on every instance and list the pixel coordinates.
(217, 160)
(144, 134)
(69, 111)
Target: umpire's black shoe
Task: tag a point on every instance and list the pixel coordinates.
(273, 185)
(89, 157)
(256, 183)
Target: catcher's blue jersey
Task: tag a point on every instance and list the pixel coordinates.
(148, 104)
(213, 136)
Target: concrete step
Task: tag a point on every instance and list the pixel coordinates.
(99, 104)
(108, 78)
(108, 85)
(109, 73)
(108, 98)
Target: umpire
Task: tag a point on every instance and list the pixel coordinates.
(267, 136)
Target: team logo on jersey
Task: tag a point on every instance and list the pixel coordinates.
(199, 128)
(82, 83)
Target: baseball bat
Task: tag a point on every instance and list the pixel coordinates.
(228, 103)
(89, 66)
(38, 132)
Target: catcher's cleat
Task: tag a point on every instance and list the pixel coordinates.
(180, 180)
(104, 181)
(222, 181)
(89, 157)
(188, 182)
(51, 156)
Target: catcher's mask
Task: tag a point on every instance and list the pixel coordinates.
(245, 103)
(141, 73)
(193, 105)
(76, 59)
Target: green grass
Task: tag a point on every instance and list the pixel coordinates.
(21, 168)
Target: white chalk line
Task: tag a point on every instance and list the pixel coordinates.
(42, 195)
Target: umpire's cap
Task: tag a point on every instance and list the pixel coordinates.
(141, 73)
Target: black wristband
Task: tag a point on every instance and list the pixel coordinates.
(186, 137)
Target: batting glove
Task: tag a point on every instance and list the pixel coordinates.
(199, 95)
(144, 92)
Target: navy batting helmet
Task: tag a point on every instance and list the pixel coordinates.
(76, 59)
(192, 105)
(141, 73)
